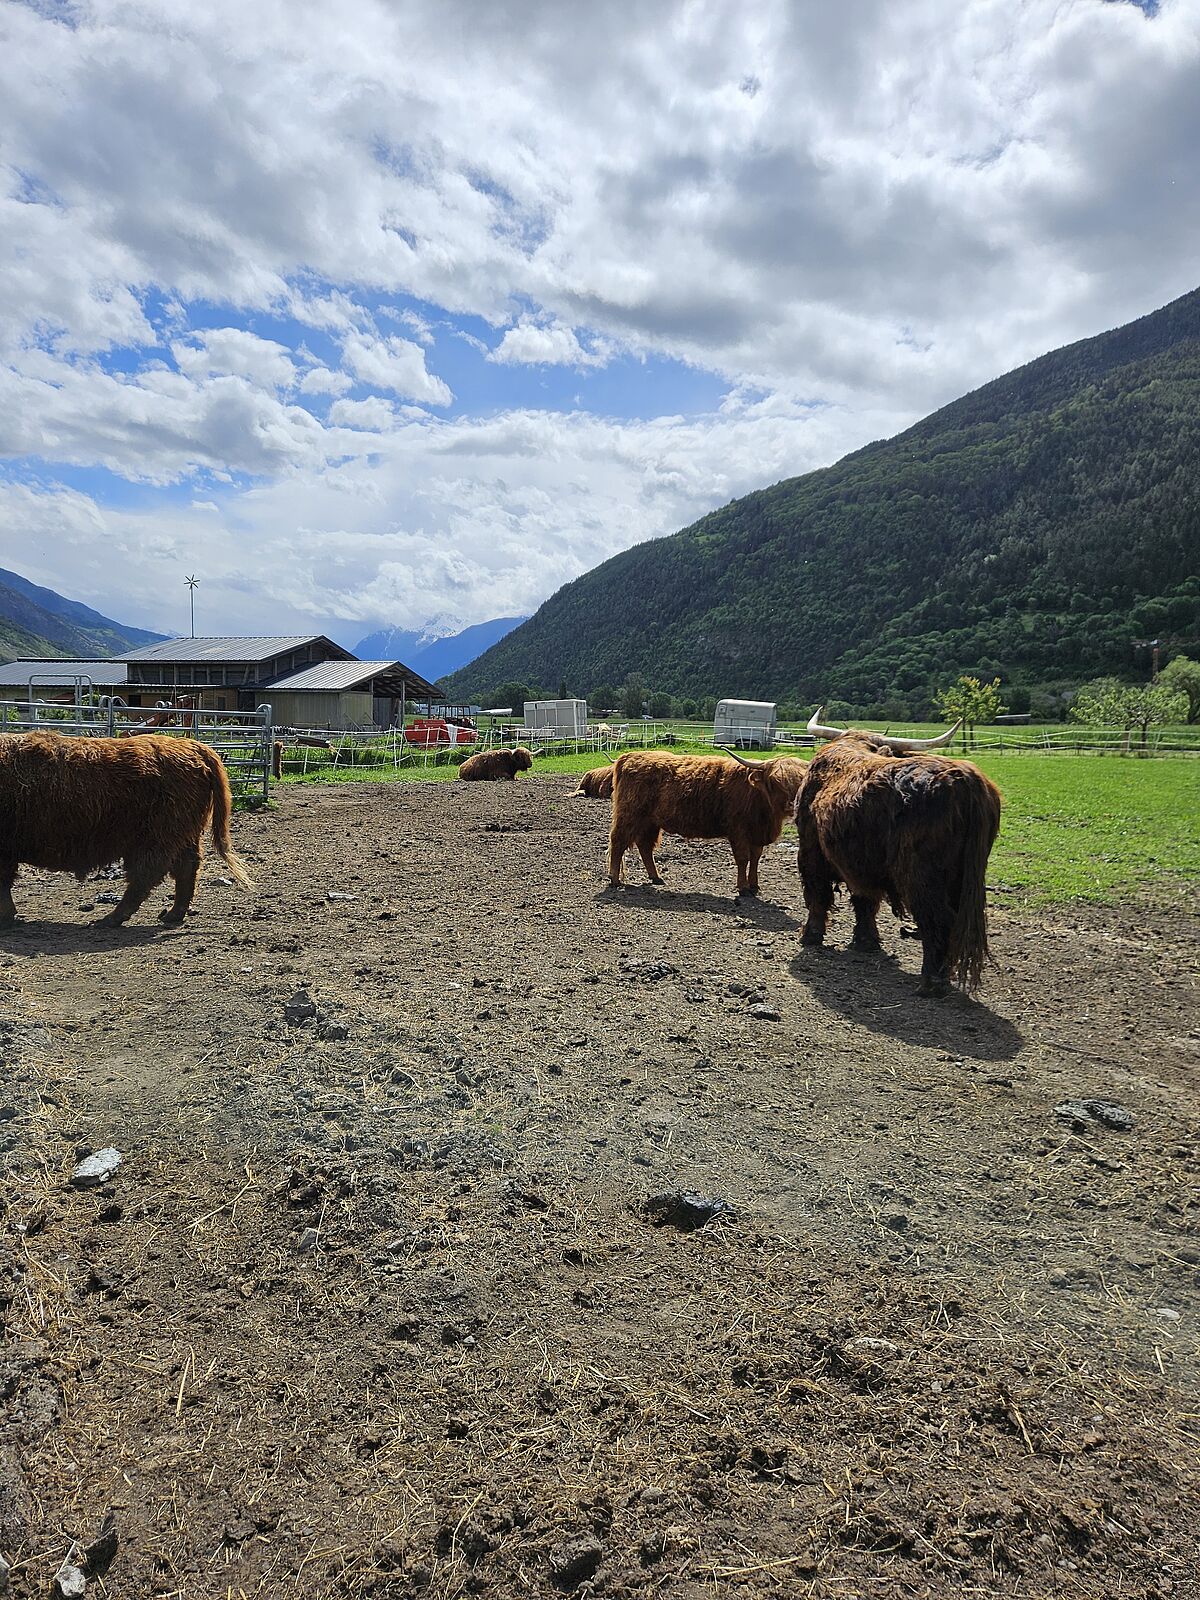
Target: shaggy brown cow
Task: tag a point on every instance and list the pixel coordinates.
(493, 764)
(72, 805)
(700, 797)
(596, 784)
(891, 821)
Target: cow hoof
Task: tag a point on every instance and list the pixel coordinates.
(112, 920)
(814, 941)
(171, 918)
(658, 882)
(866, 947)
(938, 989)
(748, 893)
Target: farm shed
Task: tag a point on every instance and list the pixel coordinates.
(222, 674)
(344, 694)
(556, 719)
(745, 724)
(50, 678)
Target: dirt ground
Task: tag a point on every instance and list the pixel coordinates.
(388, 1301)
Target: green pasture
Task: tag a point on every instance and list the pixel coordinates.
(1076, 827)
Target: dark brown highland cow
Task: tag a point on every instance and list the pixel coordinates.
(893, 822)
(73, 805)
(700, 797)
(596, 784)
(494, 764)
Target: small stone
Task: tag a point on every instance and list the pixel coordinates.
(300, 1007)
(335, 894)
(97, 1168)
(5, 1569)
(572, 1561)
(307, 1241)
(332, 1031)
(764, 1013)
(70, 1581)
(1167, 1313)
(1085, 1113)
(874, 1347)
(681, 1208)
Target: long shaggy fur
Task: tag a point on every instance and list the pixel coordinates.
(700, 797)
(914, 829)
(73, 805)
(596, 784)
(490, 765)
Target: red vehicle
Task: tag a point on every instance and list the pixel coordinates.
(436, 730)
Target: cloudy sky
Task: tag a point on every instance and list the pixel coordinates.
(410, 312)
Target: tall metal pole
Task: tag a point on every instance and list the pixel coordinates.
(191, 582)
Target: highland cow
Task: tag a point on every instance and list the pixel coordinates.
(490, 765)
(596, 784)
(77, 804)
(700, 797)
(892, 821)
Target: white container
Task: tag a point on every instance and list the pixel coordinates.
(556, 719)
(745, 724)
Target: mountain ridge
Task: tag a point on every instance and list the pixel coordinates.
(40, 621)
(1034, 529)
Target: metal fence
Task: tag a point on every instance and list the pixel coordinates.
(243, 739)
(321, 749)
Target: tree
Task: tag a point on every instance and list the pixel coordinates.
(1182, 675)
(633, 695)
(970, 700)
(1107, 703)
(604, 698)
(660, 705)
(562, 688)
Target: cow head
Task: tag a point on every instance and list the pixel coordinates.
(522, 759)
(778, 779)
(881, 743)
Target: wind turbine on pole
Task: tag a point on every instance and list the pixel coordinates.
(192, 580)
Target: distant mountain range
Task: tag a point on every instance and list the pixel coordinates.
(38, 622)
(433, 657)
(1044, 529)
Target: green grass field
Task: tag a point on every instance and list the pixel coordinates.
(1097, 828)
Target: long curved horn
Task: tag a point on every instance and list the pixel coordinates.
(892, 740)
(814, 727)
(895, 743)
(737, 757)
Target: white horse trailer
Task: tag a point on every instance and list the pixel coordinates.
(745, 724)
(556, 719)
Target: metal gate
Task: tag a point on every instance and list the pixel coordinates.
(243, 739)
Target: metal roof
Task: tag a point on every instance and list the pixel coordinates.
(338, 675)
(58, 674)
(254, 648)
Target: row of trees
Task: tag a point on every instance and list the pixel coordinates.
(1107, 702)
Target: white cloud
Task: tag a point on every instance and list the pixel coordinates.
(262, 362)
(320, 380)
(372, 413)
(533, 344)
(394, 364)
(874, 208)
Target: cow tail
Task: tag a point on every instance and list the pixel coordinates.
(968, 951)
(222, 806)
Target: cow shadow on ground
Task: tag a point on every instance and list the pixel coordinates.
(747, 908)
(878, 994)
(34, 936)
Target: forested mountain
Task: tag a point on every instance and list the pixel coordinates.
(35, 621)
(1035, 529)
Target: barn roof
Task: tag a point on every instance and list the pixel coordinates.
(55, 673)
(333, 676)
(255, 647)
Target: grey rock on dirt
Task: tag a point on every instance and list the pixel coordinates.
(681, 1208)
(97, 1168)
(70, 1581)
(1088, 1112)
(330, 1031)
(764, 1013)
(300, 1007)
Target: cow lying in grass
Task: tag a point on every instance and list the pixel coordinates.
(596, 784)
(490, 765)
(74, 805)
(700, 797)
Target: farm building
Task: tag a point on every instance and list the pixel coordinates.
(745, 724)
(52, 679)
(309, 682)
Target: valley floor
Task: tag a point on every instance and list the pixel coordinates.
(376, 1306)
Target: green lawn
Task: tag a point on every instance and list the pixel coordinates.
(1097, 828)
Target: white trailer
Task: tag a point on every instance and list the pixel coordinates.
(556, 719)
(745, 724)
